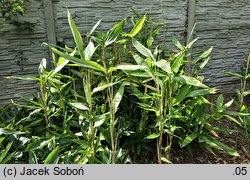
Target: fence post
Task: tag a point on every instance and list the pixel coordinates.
(50, 25)
(190, 25)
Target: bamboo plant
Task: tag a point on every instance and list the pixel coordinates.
(82, 112)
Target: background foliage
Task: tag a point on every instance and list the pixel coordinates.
(11, 8)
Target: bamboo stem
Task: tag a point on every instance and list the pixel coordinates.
(43, 94)
(111, 111)
(170, 119)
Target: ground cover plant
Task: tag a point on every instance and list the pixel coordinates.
(113, 97)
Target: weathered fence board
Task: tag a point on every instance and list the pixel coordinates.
(21, 51)
(224, 24)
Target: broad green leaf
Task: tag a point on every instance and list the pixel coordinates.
(209, 142)
(139, 60)
(118, 97)
(219, 102)
(155, 94)
(234, 113)
(2, 139)
(234, 74)
(138, 26)
(79, 105)
(69, 118)
(4, 152)
(149, 108)
(182, 94)
(61, 63)
(177, 63)
(138, 93)
(202, 92)
(188, 139)
(167, 148)
(8, 131)
(25, 106)
(164, 65)
(204, 55)
(76, 34)
(38, 144)
(100, 119)
(244, 109)
(141, 73)
(218, 145)
(142, 49)
(229, 103)
(246, 93)
(61, 60)
(77, 73)
(202, 65)
(111, 69)
(191, 43)
(54, 58)
(84, 159)
(150, 41)
(64, 86)
(155, 33)
(191, 81)
(121, 42)
(221, 129)
(79, 141)
(101, 87)
(52, 157)
(232, 119)
(94, 27)
(55, 81)
(89, 51)
(113, 34)
(86, 91)
(67, 157)
(42, 66)
(32, 158)
(152, 136)
(130, 67)
(178, 44)
(66, 49)
(8, 157)
(191, 33)
(204, 100)
(87, 64)
(138, 73)
(166, 160)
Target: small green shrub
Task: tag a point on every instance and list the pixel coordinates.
(95, 108)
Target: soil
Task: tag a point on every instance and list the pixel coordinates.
(234, 140)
